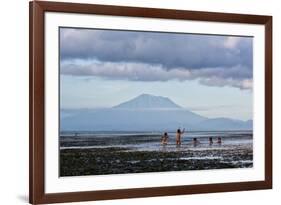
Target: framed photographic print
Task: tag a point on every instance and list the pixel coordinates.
(138, 102)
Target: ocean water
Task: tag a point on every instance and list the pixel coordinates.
(151, 141)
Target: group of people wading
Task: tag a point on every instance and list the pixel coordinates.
(179, 133)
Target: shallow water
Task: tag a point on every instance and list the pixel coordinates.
(118, 153)
(150, 141)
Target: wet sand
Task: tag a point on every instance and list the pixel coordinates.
(120, 160)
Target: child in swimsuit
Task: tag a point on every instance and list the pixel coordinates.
(164, 139)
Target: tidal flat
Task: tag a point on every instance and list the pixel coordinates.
(80, 156)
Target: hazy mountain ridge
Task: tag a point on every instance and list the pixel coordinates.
(145, 113)
(146, 101)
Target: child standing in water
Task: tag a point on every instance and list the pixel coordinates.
(164, 139)
(178, 136)
(195, 142)
(210, 140)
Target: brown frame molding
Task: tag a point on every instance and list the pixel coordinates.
(37, 9)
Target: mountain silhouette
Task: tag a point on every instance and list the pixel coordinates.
(144, 113)
(146, 101)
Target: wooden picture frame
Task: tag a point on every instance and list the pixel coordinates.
(37, 150)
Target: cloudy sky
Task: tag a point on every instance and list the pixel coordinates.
(210, 75)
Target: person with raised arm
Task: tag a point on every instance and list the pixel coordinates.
(178, 136)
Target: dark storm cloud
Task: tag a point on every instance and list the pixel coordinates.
(148, 56)
(170, 50)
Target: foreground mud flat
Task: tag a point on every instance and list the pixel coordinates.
(120, 160)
